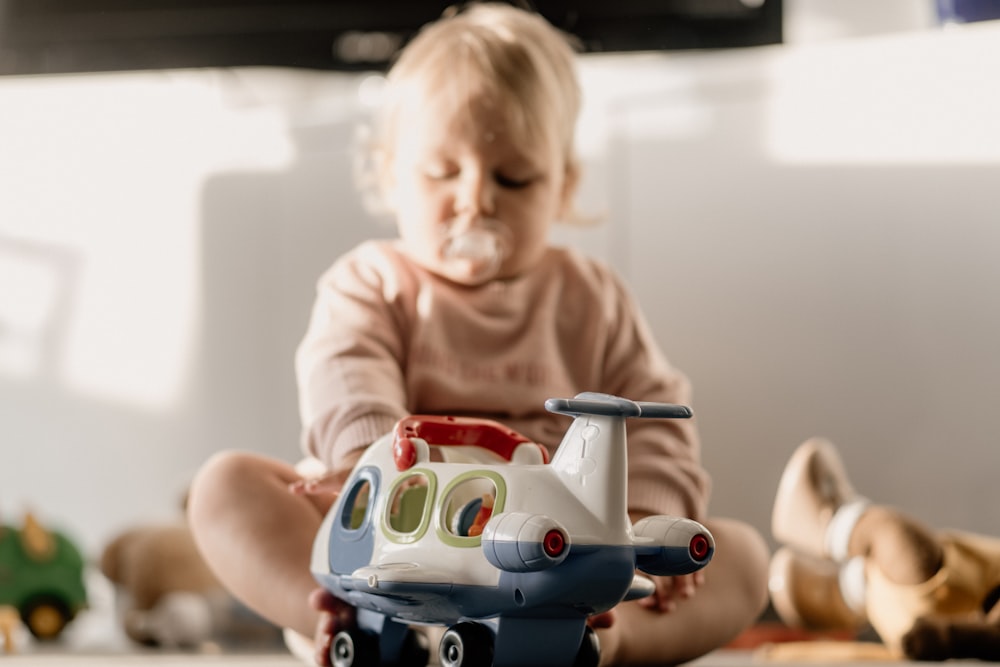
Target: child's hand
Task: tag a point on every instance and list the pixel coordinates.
(334, 616)
(328, 484)
(669, 590)
(672, 590)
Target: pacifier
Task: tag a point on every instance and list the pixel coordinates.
(473, 253)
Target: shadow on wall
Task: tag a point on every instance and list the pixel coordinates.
(60, 444)
(40, 281)
(226, 274)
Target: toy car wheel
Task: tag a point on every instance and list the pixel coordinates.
(354, 648)
(589, 654)
(45, 617)
(466, 645)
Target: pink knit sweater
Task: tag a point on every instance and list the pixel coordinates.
(387, 338)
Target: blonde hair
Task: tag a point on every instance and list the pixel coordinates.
(491, 52)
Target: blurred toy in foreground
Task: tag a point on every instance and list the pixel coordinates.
(510, 552)
(848, 562)
(41, 576)
(167, 597)
(10, 621)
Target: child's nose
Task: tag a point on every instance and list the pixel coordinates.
(476, 196)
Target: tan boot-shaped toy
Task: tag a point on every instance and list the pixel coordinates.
(806, 593)
(816, 506)
(923, 592)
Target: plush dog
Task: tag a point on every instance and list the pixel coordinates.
(847, 563)
(166, 596)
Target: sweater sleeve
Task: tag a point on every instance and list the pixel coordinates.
(349, 364)
(665, 472)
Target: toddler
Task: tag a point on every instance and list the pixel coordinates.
(471, 311)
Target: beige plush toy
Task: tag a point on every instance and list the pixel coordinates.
(167, 596)
(847, 562)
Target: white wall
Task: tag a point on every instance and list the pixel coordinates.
(815, 232)
(812, 229)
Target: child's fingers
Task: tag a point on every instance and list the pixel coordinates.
(329, 484)
(670, 590)
(335, 616)
(602, 620)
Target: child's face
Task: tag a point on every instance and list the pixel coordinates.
(463, 171)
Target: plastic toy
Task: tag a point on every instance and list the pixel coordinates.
(10, 621)
(41, 575)
(463, 523)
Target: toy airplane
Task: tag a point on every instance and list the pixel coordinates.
(464, 523)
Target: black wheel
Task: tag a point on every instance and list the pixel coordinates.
(466, 645)
(45, 616)
(589, 654)
(354, 648)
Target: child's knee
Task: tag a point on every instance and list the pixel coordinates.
(215, 480)
(743, 551)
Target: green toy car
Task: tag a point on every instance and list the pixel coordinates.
(41, 575)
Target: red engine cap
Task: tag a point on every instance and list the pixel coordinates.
(699, 547)
(554, 543)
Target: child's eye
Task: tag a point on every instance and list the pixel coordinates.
(512, 183)
(440, 172)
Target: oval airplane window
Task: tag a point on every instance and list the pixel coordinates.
(408, 503)
(468, 506)
(356, 506)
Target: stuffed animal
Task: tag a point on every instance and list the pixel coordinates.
(166, 596)
(847, 563)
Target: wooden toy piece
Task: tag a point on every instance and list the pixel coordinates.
(10, 620)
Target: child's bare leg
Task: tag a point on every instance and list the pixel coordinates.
(257, 537)
(732, 597)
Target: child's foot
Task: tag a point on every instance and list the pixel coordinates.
(806, 593)
(299, 646)
(813, 487)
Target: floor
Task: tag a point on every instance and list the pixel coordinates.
(723, 658)
(95, 639)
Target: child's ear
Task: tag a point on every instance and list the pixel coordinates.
(570, 181)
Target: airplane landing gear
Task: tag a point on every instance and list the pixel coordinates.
(590, 650)
(360, 648)
(354, 648)
(466, 645)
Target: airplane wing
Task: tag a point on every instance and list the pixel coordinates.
(593, 403)
(375, 576)
(404, 591)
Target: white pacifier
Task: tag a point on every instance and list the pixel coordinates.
(472, 253)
